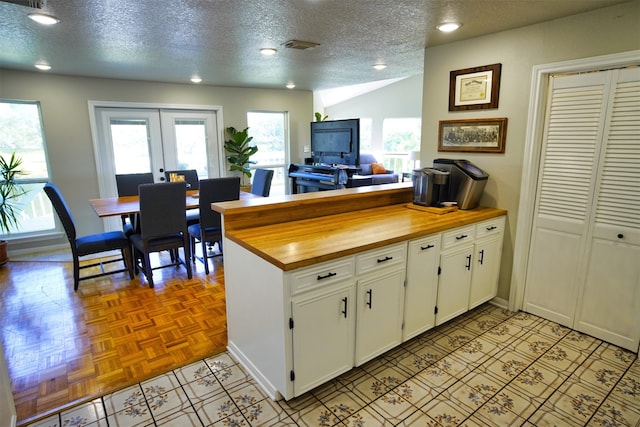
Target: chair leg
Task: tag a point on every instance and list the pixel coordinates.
(127, 257)
(76, 272)
(187, 255)
(148, 272)
(205, 258)
(193, 248)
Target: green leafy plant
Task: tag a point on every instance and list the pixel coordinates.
(320, 118)
(10, 190)
(239, 151)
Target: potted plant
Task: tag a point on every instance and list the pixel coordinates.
(320, 117)
(239, 153)
(10, 191)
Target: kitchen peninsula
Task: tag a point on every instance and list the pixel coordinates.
(318, 283)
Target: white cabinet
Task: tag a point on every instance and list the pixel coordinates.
(352, 306)
(455, 273)
(295, 330)
(486, 263)
(323, 315)
(323, 335)
(469, 267)
(380, 303)
(421, 289)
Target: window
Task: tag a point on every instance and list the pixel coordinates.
(21, 132)
(366, 134)
(270, 134)
(399, 137)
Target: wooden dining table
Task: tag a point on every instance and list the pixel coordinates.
(130, 205)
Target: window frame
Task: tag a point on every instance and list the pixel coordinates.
(42, 199)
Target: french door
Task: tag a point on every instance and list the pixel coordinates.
(142, 140)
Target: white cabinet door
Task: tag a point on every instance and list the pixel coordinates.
(486, 265)
(485, 271)
(379, 314)
(454, 283)
(421, 289)
(323, 335)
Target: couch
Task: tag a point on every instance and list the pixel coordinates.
(370, 167)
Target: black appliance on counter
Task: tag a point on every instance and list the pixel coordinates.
(450, 182)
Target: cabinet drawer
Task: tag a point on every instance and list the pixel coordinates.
(490, 227)
(378, 259)
(457, 237)
(430, 244)
(327, 273)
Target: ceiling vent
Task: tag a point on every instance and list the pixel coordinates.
(300, 45)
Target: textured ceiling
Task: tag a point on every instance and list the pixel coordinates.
(169, 41)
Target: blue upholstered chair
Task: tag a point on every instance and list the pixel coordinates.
(127, 185)
(193, 183)
(91, 244)
(209, 230)
(163, 226)
(261, 185)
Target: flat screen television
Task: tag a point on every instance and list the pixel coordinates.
(336, 142)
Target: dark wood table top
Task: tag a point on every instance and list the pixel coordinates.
(127, 205)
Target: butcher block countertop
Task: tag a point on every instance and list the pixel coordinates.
(328, 225)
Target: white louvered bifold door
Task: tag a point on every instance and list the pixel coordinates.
(609, 306)
(573, 131)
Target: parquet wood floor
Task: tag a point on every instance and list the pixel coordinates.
(64, 347)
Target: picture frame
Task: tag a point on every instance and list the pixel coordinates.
(473, 135)
(475, 88)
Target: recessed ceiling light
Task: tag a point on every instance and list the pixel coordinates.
(42, 66)
(291, 85)
(448, 27)
(196, 79)
(268, 51)
(380, 66)
(44, 19)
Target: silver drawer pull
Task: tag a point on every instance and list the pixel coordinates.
(326, 276)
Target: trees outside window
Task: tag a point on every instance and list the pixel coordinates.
(21, 132)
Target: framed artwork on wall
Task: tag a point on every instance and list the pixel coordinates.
(474, 88)
(473, 135)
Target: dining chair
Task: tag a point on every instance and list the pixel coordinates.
(90, 244)
(261, 185)
(191, 178)
(209, 230)
(163, 226)
(127, 185)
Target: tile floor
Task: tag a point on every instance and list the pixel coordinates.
(489, 367)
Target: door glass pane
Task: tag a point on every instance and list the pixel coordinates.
(268, 130)
(191, 145)
(130, 146)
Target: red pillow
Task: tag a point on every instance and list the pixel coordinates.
(377, 168)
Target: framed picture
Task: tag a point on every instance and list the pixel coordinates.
(474, 88)
(473, 136)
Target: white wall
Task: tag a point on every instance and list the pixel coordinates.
(65, 113)
(402, 99)
(605, 31)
